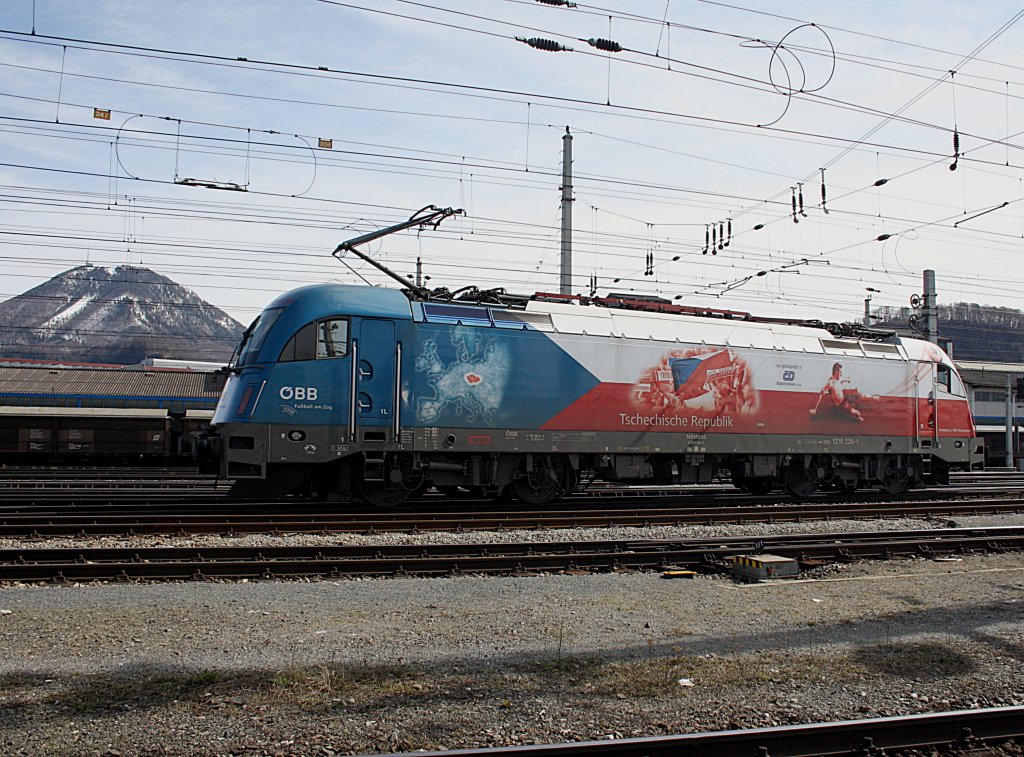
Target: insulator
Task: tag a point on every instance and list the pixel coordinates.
(721, 235)
(956, 149)
(608, 45)
(714, 238)
(729, 227)
(795, 219)
(801, 196)
(823, 192)
(562, 3)
(547, 45)
(707, 240)
(881, 182)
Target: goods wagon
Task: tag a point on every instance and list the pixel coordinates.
(41, 434)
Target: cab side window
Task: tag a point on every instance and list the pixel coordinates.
(317, 340)
(950, 382)
(302, 346)
(332, 338)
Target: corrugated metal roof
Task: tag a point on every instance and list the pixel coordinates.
(988, 367)
(109, 382)
(78, 412)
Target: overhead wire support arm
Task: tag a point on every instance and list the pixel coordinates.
(431, 215)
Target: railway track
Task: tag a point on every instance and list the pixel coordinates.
(56, 484)
(20, 490)
(199, 505)
(964, 732)
(33, 524)
(29, 564)
(200, 500)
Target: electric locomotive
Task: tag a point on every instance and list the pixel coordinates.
(374, 393)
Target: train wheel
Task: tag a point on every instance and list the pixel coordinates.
(534, 492)
(800, 482)
(544, 484)
(895, 484)
(381, 493)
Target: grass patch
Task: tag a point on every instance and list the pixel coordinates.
(332, 685)
(925, 660)
(329, 683)
(660, 677)
(202, 678)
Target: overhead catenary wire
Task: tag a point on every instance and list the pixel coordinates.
(460, 88)
(788, 182)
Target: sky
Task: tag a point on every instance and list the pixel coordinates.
(189, 137)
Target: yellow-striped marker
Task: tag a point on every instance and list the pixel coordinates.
(678, 573)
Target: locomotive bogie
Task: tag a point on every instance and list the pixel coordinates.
(371, 396)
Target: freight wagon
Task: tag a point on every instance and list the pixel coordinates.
(75, 435)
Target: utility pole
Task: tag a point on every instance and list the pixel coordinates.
(931, 312)
(565, 274)
(1009, 423)
(867, 304)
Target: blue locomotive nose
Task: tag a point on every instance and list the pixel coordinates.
(240, 396)
(318, 369)
(241, 392)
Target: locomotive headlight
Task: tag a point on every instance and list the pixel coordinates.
(296, 435)
(958, 445)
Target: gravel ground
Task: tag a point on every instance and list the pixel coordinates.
(325, 667)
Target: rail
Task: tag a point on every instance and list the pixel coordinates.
(960, 732)
(128, 563)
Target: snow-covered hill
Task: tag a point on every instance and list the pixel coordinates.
(119, 315)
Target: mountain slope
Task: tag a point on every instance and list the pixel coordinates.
(979, 332)
(123, 315)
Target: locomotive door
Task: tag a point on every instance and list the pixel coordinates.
(374, 374)
(926, 421)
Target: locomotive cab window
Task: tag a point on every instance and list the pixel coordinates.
(256, 334)
(302, 346)
(332, 338)
(949, 381)
(317, 341)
